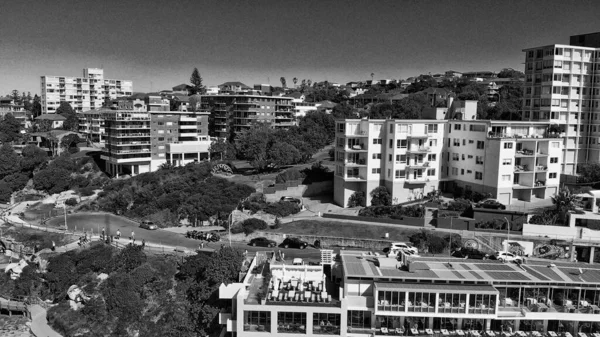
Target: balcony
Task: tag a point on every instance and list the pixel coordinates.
(359, 162)
(417, 165)
(525, 153)
(410, 179)
(541, 168)
(133, 143)
(418, 135)
(523, 169)
(121, 135)
(356, 148)
(418, 149)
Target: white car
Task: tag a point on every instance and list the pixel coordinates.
(508, 257)
(403, 246)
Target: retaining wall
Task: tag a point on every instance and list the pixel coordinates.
(408, 221)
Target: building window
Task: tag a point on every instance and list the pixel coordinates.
(457, 126)
(479, 160)
(326, 324)
(341, 127)
(555, 145)
(506, 177)
(431, 157)
(402, 143)
(390, 157)
(553, 160)
(432, 142)
(376, 155)
(400, 174)
(430, 172)
(456, 142)
(377, 141)
(401, 158)
(462, 172)
(359, 319)
(480, 144)
(257, 321)
(432, 128)
(478, 175)
(455, 157)
(402, 128)
(508, 145)
(507, 161)
(376, 171)
(290, 322)
(552, 175)
(455, 171)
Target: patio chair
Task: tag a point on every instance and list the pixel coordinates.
(384, 330)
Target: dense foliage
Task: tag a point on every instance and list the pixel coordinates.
(393, 212)
(316, 173)
(253, 224)
(15, 170)
(65, 172)
(357, 199)
(169, 195)
(381, 196)
(434, 243)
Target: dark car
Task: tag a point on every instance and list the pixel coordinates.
(294, 243)
(148, 225)
(490, 203)
(263, 242)
(290, 199)
(469, 253)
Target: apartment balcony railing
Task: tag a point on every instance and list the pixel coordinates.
(131, 151)
(133, 143)
(521, 136)
(120, 135)
(523, 169)
(418, 149)
(413, 165)
(356, 148)
(419, 135)
(359, 162)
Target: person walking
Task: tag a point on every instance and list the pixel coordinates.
(53, 246)
(133, 236)
(118, 234)
(143, 243)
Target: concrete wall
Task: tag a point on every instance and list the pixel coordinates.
(326, 241)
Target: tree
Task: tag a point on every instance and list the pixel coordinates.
(71, 122)
(10, 128)
(52, 180)
(253, 144)
(295, 80)
(588, 173)
(282, 154)
(36, 107)
(218, 146)
(196, 80)
(510, 73)
(357, 199)
(283, 83)
(5, 192)
(9, 161)
(69, 141)
(565, 201)
(343, 111)
(381, 197)
(15, 96)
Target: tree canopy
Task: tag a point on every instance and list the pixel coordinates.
(10, 128)
(196, 81)
(72, 122)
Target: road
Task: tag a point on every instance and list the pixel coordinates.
(95, 222)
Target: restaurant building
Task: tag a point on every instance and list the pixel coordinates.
(366, 294)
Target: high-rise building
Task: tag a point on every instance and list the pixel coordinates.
(562, 87)
(83, 93)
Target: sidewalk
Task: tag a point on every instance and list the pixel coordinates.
(39, 322)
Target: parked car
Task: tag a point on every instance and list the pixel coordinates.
(263, 242)
(148, 225)
(404, 246)
(490, 203)
(508, 257)
(470, 253)
(290, 199)
(294, 243)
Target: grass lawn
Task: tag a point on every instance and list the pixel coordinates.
(38, 211)
(345, 230)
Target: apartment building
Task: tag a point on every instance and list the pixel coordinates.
(83, 93)
(512, 160)
(92, 122)
(139, 141)
(562, 86)
(238, 112)
(367, 294)
(402, 155)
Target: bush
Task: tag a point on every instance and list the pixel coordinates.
(237, 228)
(459, 205)
(71, 202)
(317, 173)
(253, 224)
(381, 196)
(282, 209)
(458, 192)
(288, 175)
(86, 191)
(253, 207)
(357, 199)
(393, 212)
(277, 223)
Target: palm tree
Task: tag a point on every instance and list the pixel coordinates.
(282, 79)
(565, 201)
(295, 81)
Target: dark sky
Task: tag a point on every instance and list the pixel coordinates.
(158, 43)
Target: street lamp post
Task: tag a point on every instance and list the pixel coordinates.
(508, 235)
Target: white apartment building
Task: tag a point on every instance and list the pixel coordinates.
(512, 160)
(403, 155)
(562, 86)
(83, 93)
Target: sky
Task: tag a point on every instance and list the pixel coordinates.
(157, 44)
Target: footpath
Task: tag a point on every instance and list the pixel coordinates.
(39, 323)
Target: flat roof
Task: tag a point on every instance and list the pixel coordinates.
(448, 288)
(366, 265)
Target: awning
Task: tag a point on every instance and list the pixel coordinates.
(440, 288)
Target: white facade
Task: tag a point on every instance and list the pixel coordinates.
(83, 93)
(561, 88)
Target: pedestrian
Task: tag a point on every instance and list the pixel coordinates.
(130, 241)
(282, 257)
(53, 246)
(103, 232)
(133, 236)
(202, 245)
(143, 243)
(118, 234)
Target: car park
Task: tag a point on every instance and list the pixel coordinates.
(294, 243)
(263, 242)
(491, 204)
(148, 225)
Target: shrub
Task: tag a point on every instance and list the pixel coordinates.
(277, 223)
(357, 199)
(86, 191)
(282, 209)
(457, 192)
(71, 202)
(459, 205)
(381, 196)
(253, 207)
(237, 228)
(317, 173)
(393, 212)
(288, 175)
(253, 224)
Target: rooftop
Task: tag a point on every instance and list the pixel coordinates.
(359, 264)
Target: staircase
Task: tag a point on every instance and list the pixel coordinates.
(487, 242)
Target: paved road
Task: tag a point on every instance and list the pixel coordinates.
(97, 221)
